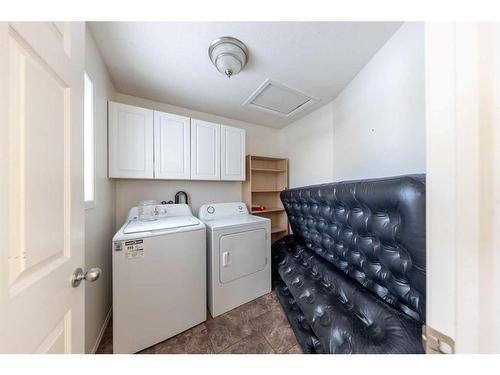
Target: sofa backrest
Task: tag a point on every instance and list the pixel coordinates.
(373, 230)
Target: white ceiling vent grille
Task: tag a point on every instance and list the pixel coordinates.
(274, 97)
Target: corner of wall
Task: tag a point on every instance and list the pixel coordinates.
(375, 127)
(99, 220)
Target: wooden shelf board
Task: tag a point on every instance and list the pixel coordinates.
(275, 209)
(266, 158)
(268, 170)
(267, 191)
(278, 229)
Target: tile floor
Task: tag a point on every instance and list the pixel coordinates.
(258, 327)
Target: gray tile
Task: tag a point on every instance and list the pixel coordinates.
(274, 326)
(228, 329)
(259, 326)
(192, 341)
(296, 349)
(150, 350)
(106, 344)
(258, 306)
(105, 347)
(253, 344)
(281, 339)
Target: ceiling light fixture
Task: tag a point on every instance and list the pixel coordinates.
(229, 55)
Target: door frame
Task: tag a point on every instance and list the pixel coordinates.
(463, 188)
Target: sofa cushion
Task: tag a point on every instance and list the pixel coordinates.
(343, 316)
(372, 230)
(305, 335)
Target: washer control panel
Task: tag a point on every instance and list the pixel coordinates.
(218, 210)
(163, 210)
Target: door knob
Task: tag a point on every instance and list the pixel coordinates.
(91, 275)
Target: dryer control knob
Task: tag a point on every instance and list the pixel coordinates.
(210, 209)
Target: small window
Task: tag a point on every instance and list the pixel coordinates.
(88, 142)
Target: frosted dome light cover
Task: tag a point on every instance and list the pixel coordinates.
(229, 55)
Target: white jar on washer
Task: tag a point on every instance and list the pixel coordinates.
(148, 210)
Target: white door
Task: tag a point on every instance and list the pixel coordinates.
(205, 150)
(41, 187)
(242, 254)
(130, 141)
(232, 153)
(172, 146)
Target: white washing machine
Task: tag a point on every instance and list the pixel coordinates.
(159, 277)
(238, 254)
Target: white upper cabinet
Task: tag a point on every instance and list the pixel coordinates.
(130, 141)
(149, 144)
(205, 150)
(172, 146)
(232, 153)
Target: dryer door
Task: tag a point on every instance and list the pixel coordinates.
(241, 254)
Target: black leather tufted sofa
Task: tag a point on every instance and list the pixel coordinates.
(351, 278)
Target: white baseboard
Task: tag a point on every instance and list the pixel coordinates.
(103, 329)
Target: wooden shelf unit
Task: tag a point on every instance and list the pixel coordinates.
(266, 178)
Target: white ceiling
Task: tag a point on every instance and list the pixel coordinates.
(168, 61)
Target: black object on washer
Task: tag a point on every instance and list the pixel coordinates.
(181, 197)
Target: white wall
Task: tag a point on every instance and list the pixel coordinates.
(131, 192)
(99, 220)
(309, 148)
(260, 140)
(374, 128)
(379, 118)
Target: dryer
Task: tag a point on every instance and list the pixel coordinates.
(238, 255)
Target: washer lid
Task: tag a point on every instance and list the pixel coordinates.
(232, 221)
(137, 226)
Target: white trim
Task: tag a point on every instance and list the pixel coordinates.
(441, 175)
(101, 332)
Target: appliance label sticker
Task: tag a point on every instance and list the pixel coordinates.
(134, 249)
(118, 246)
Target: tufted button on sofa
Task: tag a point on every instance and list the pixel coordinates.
(351, 277)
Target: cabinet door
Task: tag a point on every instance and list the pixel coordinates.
(130, 141)
(232, 153)
(205, 150)
(172, 146)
